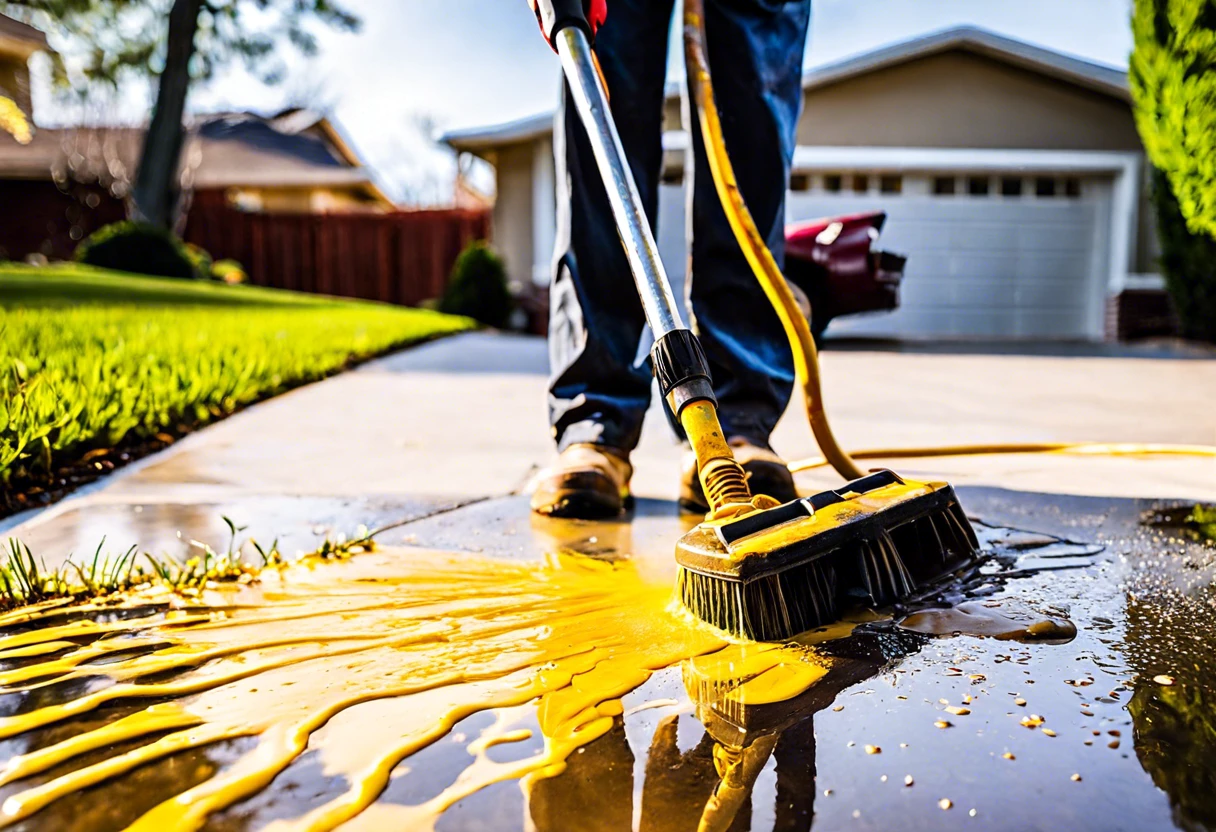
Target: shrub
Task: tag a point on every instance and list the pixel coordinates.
(140, 248)
(199, 258)
(1173, 83)
(1188, 262)
(478, 287)
(228, 271)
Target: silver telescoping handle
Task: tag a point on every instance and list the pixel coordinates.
(592, 102)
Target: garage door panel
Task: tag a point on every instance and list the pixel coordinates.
(936, 234)
(1014, 235)
(1069, 234)
(962, 266)
(954, 322)
(1065, 268)
(1046, 323)
(958, 293)
(995, 267)
(1047, 294)
(979, 266)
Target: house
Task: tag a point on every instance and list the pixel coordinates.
(64, 183)
(1013, 177)
(295, 161)
(17, 43)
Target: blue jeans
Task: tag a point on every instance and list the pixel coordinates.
(598, 391)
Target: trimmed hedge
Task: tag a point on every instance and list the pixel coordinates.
(477, 288)
(1173, 83)
(143, 248)
(1188, 262)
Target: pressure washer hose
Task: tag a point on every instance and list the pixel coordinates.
(797, 330)
(794, 322)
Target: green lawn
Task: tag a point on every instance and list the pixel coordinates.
(90, 359)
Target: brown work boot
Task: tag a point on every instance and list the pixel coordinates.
(766, 474)
(588, 482)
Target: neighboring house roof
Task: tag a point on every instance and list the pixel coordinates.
(19, 39)
(290, 149)
(1100, 78)
(90, 153)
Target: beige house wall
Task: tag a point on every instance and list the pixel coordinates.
(513, 217)
(959, 99)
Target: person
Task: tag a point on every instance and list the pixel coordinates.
(599, 390)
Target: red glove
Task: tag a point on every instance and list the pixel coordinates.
(555, 15)
(597, 13)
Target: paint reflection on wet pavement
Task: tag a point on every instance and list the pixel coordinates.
(1069, 687)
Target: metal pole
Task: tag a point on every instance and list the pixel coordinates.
(592, 102)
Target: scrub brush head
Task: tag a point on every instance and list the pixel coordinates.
(774, 573)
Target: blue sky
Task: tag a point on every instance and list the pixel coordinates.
(420, 65)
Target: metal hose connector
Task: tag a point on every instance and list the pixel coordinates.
(724, 483)
(722, 478)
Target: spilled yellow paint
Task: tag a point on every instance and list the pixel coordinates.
(365, 662)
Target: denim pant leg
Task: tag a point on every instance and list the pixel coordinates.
(596, 392)
(755, 50)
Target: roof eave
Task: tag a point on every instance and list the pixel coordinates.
(343, 145)
(481, 139)
(1107, 80)
(20, 49)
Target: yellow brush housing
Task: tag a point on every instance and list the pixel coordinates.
(773, 573)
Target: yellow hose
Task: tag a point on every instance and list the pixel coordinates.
(806, 359)
(1064, 448)
(794, 322)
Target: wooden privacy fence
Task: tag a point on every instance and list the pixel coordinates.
(402, 257)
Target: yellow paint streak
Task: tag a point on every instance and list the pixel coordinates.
(163, 717)
(35, 650)
(753, 674)
(365, 663)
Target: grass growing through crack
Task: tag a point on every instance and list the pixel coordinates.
(90, 359)
(25, 579)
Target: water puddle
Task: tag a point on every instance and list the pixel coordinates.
(547, 683)
(1008, 620)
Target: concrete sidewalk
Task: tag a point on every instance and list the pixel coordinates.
(465, 417)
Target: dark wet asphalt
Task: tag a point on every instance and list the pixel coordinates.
(1120, 750)
(1114, 730)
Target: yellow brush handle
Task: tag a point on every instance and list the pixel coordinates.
(722, 478)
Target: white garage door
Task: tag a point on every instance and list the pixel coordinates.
(991, 256)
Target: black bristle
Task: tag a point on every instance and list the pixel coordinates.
(887, 566)
(770, 608)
